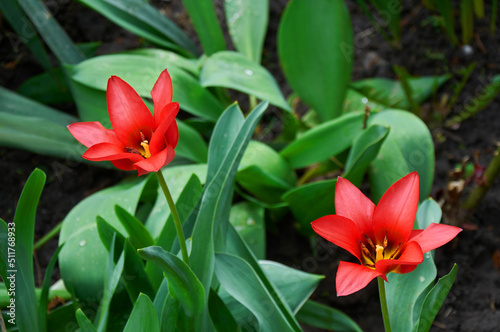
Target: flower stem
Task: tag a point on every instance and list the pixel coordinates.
(47, 237)
(383, 304)
(175, 216)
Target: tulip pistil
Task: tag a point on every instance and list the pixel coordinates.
(145, 146)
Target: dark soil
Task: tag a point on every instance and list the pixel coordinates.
(473, 301)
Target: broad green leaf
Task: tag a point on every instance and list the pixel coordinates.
(315, 48)
(324, 141)
(141, 72)
(192, 66)
(264, 173)
(61, 317)
(47, 88)
(24, 219)
(51, 32)
(404, 290)
(434, 300)
(4, 249)
(220, 314)
(15, 15)
(248, 220)
(191, 145)
(84, 323)
(247, 23)
(407, 148)
(206, 24)
(391, 94)
(319, 195)
(44, 295)
(357, 102)
(141, 18)
(183, 285)
(319, 315)
(137, 233)
(143, 317)
(235, 71)
(239, 279)
(364, 149)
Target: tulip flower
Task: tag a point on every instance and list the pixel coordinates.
(381, 237)
(138, 141)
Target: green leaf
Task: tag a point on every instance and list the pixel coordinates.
(318, 315)
(315, 48)
(248, 220)
(4, 250)
(206, 24)
(192, 66)
(24, 219)
(84, 323)
(239, 279)
(445, 8)
(247, 23)
(319, 194)
(144, 20)
(357, 102)
(434, 300)
(44, 295)
(364, 149)
(191, 146)
(390, 12)
(143, 317)
(407, 148)
(192, 97)
(138, 234)
(183, 284)
(52, 33)
(47, 88)
(235, 71)
(324, 141)
(220, 314)
(391, 93)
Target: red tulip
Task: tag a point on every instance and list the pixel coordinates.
(381, 237)
(138, 139)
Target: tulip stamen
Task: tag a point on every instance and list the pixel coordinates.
(131, 150)
(395, 251)
(370, 242)
(145, 146)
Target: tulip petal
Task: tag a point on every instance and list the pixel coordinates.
(351, 203)
(354, 277)
(128, 114)
(396, 211)
(161, 137)
(91, 133)
(123, 164)
(162, 93)
(341, 231)
(108, 151)
(412, 255)
(155, 162)
(434, 236)
(173, 134)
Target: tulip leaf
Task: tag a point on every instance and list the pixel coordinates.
(235, 71)
(206, 24)
(183, 285)
(192, 97)
(264, 173)
(248, 220)
(247, 23)
(192, 66)
(364, 149)
(49, 87)
(310, 202)
(239, 279)
(24, 219)
(407, 148)
(357, 102)
(137, 233)
(4, 251)
(434, 300)
(315, 48)
(391, 93)
(323, 141)
(191, 146)
(84, 323)
(220, 314)
(141, 18)
(319, 315)
(143, 317)
(44, 293)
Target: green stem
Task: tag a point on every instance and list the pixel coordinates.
(252, 100)
(175, 216)
(47, 237)
(383, 304)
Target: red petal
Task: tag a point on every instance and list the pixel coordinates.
(162, 93)
(395, 213)
(340, 231)
(351, 203)
(160, 138)
(90, 133)
(155, 162)
(123, 164)
(434, 236)
(107, 151)
(412, 255)
(354, 277)
(127, 112)
(173, 134)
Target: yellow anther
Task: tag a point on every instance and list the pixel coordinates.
(379, 253)
(145, 146)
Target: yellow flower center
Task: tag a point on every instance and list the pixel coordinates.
(145, 146)
(372, 253)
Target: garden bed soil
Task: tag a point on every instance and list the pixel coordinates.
(474, 301)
